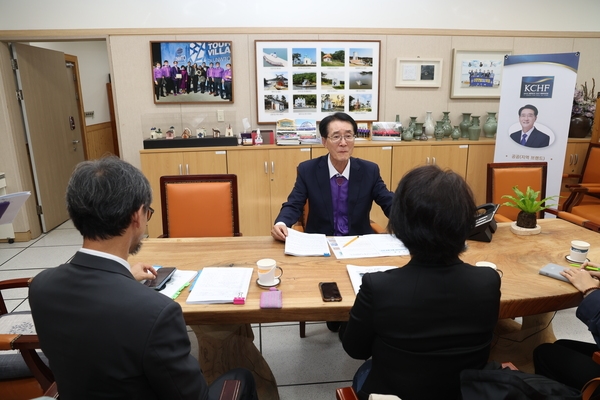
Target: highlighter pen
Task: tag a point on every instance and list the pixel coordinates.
(351, 240)
(592, 268)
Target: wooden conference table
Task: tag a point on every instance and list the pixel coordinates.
(525, 293)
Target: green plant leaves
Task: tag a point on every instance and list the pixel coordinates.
(527, 201)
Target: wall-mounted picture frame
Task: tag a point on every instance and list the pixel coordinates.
(313, 79)
(192, 72)
(477, 74)
(418, 72)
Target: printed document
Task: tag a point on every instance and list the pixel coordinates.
(356, 273)
(306, 244)
(178, 281)
(374, 245)
(220, 285)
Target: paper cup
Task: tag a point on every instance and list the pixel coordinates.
(579, 250)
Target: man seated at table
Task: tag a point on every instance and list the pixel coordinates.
(340, 189)
(105, 334)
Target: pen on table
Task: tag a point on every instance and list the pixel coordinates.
(351, 240)
(592, 268)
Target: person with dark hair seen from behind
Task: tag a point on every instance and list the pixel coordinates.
(570, 361)
(529, 135)
(106, 335)
(435, 316)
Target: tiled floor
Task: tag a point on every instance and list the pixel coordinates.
(309, 368)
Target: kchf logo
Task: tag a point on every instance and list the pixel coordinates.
(537, 87)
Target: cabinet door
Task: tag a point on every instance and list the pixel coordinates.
(406, 158)
(479, 157)
(205, 162)
(452, 156)
(154, 166)
(282, 174)
(252, 169)
(575, 157)
(382, 156)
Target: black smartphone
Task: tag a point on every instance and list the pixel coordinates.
(330, 291)
(163, 275)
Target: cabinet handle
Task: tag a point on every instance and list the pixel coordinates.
(266, 168)
(576, 159)
(570, 159)
(180, 172)
(433, 158)
(427, 162)
(272, 167)
(187, 169)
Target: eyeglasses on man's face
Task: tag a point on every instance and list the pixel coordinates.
(338, 138)
(149, 213)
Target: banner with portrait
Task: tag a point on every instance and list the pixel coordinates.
(535, 109)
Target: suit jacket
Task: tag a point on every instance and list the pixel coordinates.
(421, 322)
(108, 336)
(313, 184)
(535, 139)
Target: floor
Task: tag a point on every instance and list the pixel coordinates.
(309, 368)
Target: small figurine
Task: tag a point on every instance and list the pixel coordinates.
(229, 131)
(201, 132)
(186, 133)
(153, 133)
(159, 134)
(258, 139)
(216, 132)
(171, 133)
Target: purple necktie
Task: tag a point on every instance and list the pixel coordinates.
(339, 197)
(524, 139)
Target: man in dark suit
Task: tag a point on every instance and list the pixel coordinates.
(340, 189)
(529, 135)
(105, 334)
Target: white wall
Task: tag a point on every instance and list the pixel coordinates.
(530, 15)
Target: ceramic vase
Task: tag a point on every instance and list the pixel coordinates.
(398, 126)
(474, 129)
(418, 135)
(490, 126)
(408, 134)
(464, 125)
(580, 126)
(428, 125)
(413, 123)
(455, 133)
(439, 130)
(446, 124)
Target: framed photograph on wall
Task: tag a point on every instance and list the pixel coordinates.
(417, 72)
(192, 72)
(312, 79)
(477, 73)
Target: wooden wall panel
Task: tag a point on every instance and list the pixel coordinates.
(99, 140)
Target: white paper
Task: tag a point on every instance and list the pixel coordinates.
(409, 72)
(374, 245)
(356, 273)
(220, 285)
(306, 244)
(16, 200)
(177, 282)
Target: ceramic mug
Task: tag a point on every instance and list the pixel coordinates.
(266, 271)
(579, 250)
(489, 265)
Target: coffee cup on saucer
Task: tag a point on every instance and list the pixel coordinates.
(579, 251)
(266, 272)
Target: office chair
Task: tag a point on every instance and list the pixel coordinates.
(584, 197)
(200, 206)
(23, 375)
(502, 177)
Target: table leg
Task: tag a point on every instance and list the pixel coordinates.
(225, 347)
(515, 342)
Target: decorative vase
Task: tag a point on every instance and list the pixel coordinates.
(413, 123)
(455, 133)
(491, 125)
(464, 125)
(418, 134)
(428, 125)
(474, 129)
(580, 126)
(408, 134)
(439, 130)
(446, 124)
(398, 126)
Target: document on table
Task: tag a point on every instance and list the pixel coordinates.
(10, 204)
(177, 283)
(374, 245)
(217, 285)
(356, 273)
(306, 244)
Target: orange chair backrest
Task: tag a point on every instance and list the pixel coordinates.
(503, 176)
(591, 168)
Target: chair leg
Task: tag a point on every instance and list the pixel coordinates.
(302, 329)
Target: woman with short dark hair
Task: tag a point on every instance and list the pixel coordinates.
(425, 322)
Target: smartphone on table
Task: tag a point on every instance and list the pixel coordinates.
(553, 271)
(330, 291)
(163, 275)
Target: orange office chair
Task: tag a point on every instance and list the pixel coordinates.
(584, 197)
(501, 177)
(25, 375)
(200, 206)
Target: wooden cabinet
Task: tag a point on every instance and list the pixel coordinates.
(479, 157)
(575, 157)
(159, 163)
(265, 179)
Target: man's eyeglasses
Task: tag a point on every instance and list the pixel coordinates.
(149, 213)
(337, 138)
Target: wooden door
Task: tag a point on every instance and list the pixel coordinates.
(205, 162)
(451, 156)
(52, 126)
(406, 158)
(479, 157)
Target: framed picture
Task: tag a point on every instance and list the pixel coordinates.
(417, 72)
(312, 79)
(191, 72)
(477, 73)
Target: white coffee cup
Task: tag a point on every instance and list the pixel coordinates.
(485, 264)
(579, 250)
(266, 271)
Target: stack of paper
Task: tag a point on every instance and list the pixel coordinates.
(177, 283)
(375, 245)
(356, 273)
(220, 285)
(306, 244)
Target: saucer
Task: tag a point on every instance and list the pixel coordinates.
(573, 261)
(277, 282)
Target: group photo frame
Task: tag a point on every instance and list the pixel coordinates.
(192, 72)
(313, 79)
(417, 72)
(477, 74)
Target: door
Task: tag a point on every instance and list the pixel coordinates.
(52, 127)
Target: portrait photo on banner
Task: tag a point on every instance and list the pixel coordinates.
(192, 72)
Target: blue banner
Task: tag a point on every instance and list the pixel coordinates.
(196, 52)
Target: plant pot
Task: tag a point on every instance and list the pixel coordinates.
(526, 220)
(580, 126)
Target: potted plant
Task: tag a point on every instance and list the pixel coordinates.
(529, 205)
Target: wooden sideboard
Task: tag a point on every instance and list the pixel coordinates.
(266, 174)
